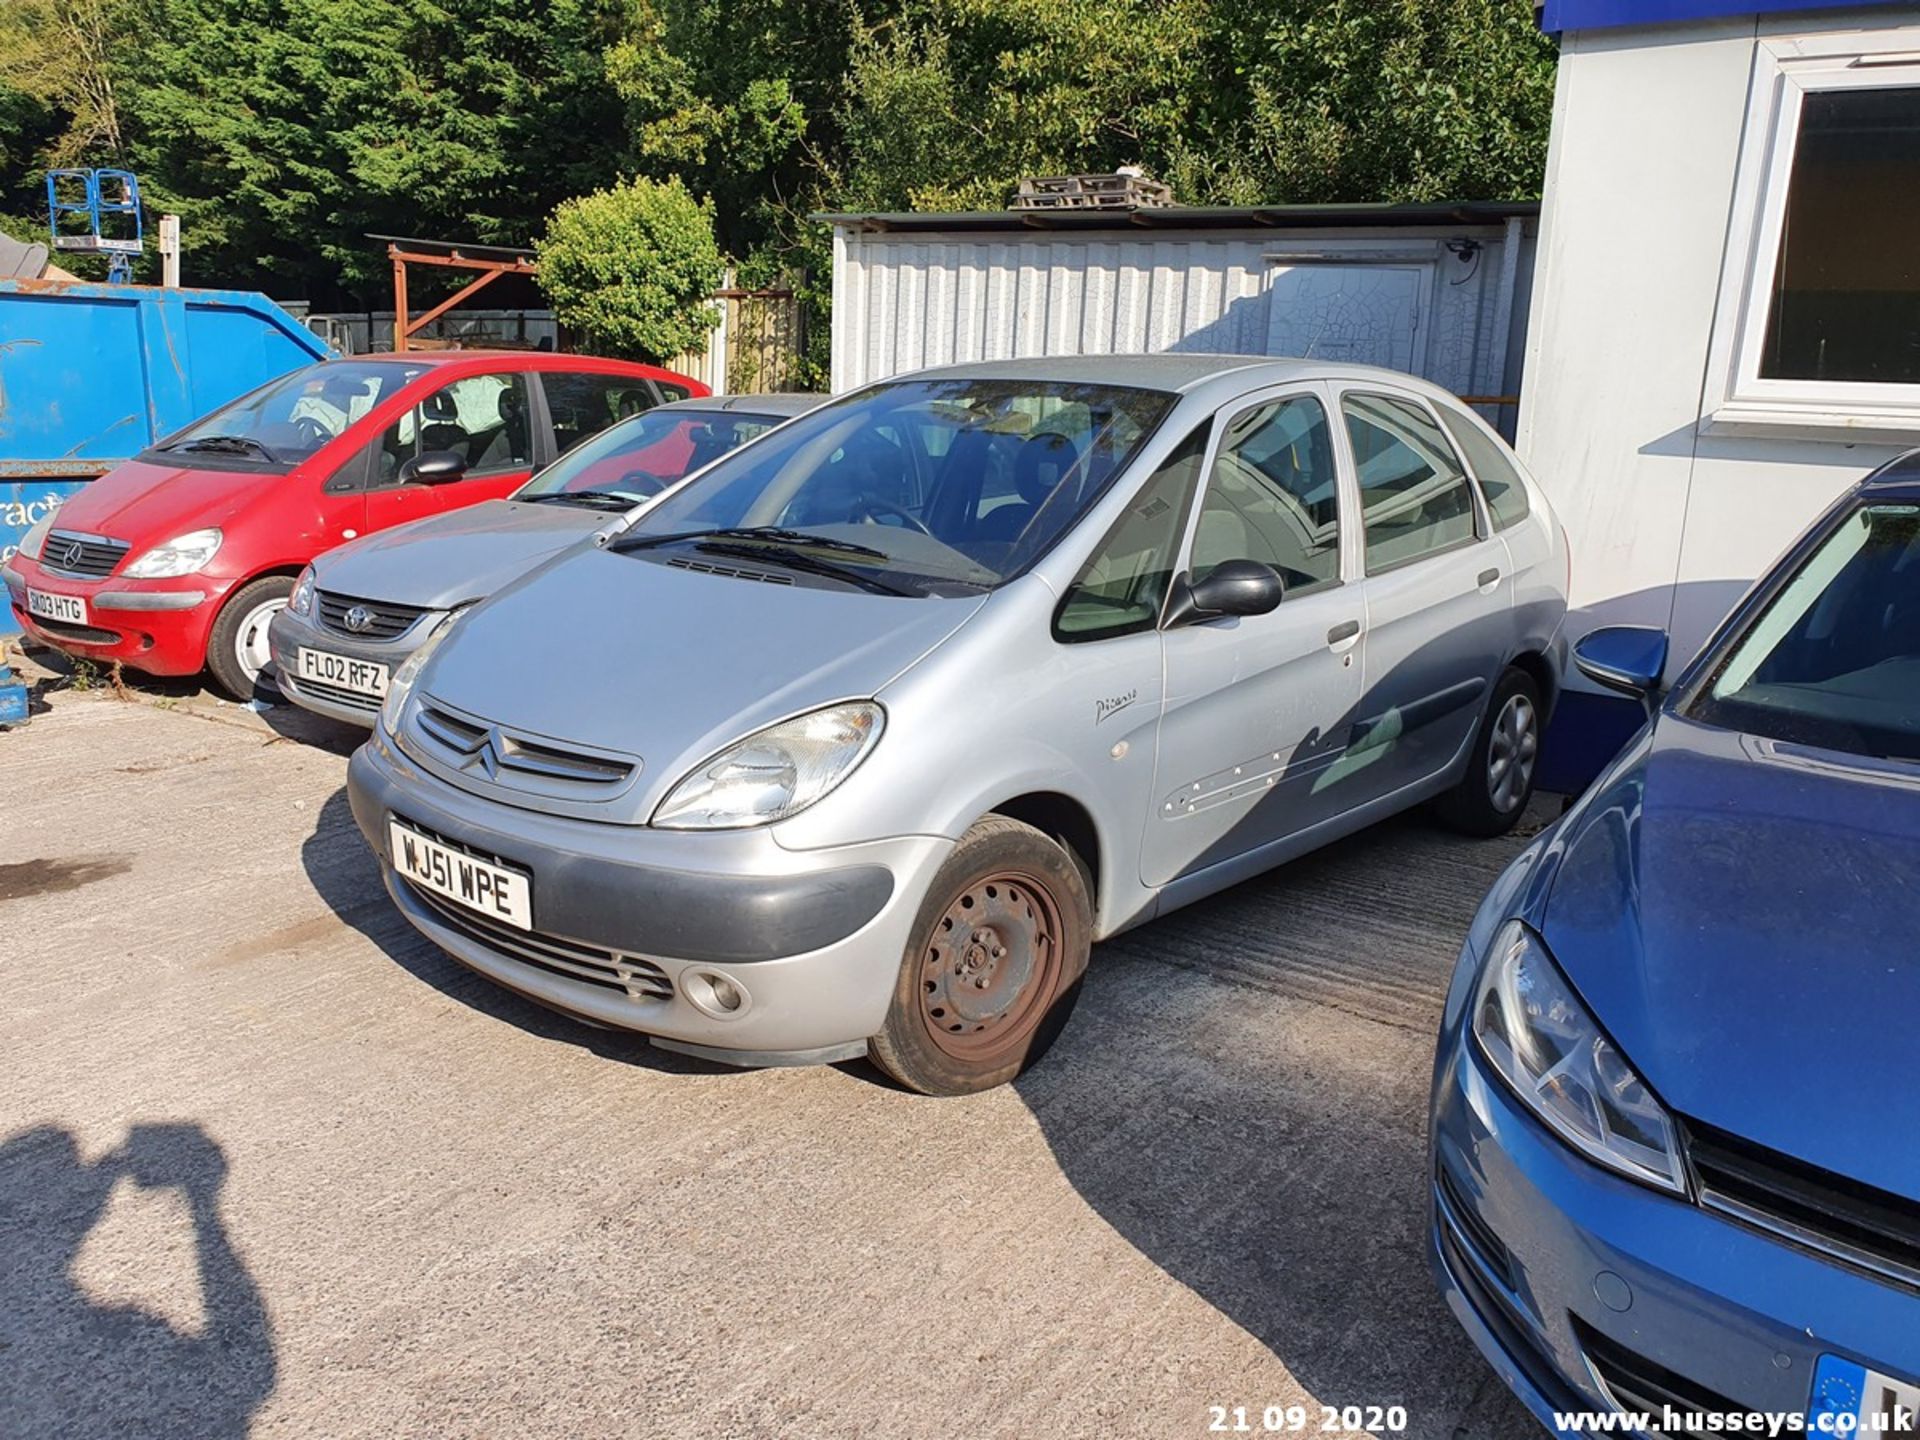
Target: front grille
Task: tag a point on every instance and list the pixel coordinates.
(381, 619)
(1868, 1229)
(1513, 1333)
(506, 757)
(88, 634)
(630, 975)
(320, 690)
(1641, 1386)
(732, 572)
(1477, 1234)
(87, 556)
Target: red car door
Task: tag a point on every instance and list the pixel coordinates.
(486, 420)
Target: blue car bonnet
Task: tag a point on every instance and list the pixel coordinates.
(1743, 916)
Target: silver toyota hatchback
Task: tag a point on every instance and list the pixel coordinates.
(855, 742)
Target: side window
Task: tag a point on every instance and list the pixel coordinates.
(481, 418)
(1505, 491)
(1124, 585)
(584, 403)
(669, 391)
(1415, 499)
(1274, 495)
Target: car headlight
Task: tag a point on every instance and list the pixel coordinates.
(401, 685)
(1538, 1035)
(35, 538)
(775, 773)
(182, 555)
(301, 601)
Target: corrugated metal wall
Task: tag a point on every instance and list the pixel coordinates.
(904, 300)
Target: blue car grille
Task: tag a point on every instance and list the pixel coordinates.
(1640, 1386)
(1475, 1231)
(1841, 1219)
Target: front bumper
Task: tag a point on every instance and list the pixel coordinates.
(1558, 1269)
(159, 626)
(812, 939)
(289, 632)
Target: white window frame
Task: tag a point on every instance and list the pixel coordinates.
(1738, 398)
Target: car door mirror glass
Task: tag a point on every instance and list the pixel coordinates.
(1233, 587)
(436, 467)
(1627, 658)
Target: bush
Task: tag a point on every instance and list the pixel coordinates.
(629, 270)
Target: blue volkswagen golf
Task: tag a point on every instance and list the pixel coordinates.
(1676, 1103)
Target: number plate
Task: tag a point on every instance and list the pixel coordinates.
(363, 677)
(1843, 1387)
(480, 886)
(70, 608)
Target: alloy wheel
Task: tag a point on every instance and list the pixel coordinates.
(1511, 755)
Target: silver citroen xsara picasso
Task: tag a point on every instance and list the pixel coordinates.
(855, 742)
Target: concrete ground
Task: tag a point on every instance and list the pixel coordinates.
(271, 1164)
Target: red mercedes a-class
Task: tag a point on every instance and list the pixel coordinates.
(177, 560)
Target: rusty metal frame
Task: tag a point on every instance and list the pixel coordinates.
(488, 262)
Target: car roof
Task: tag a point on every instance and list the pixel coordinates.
(532, 359)
(784, 403)
(1179, 372)
(1898, 479)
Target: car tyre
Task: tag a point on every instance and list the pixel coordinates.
(1493, 794)
(994, 965)
(236, 648)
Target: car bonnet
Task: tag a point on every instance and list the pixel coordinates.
(620, 654)
(447, 560)
(1740, 914)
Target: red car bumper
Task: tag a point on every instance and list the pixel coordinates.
(159, 626)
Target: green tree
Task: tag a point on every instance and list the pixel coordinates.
(629, 269)
(285, 131)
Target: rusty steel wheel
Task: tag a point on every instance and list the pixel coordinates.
(994, 964)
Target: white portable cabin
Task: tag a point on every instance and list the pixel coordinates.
(1437, 290)
(1726, 301)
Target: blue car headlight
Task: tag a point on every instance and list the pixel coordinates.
(1535, 1032)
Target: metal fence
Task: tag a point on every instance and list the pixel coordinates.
(755, 346)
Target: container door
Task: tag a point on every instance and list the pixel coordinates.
(1367, 314)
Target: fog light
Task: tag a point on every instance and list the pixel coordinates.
(712, 993)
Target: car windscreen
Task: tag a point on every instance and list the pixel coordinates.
(638, 458)
(934, 486)
(1833, 659)
(286, 420)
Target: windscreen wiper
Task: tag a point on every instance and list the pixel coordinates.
(759, 534)
(792, 559)
(602, 499)
(228, 445)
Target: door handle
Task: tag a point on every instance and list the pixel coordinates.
(1345, 630)
(1488, 577)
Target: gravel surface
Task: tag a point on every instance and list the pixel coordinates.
(271, 1164)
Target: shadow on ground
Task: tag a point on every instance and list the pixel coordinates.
(1280, 1173)
(342, 869)
(73, 1365)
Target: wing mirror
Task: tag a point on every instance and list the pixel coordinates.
(1233, 587)
(1627, 658)
(436, 467)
